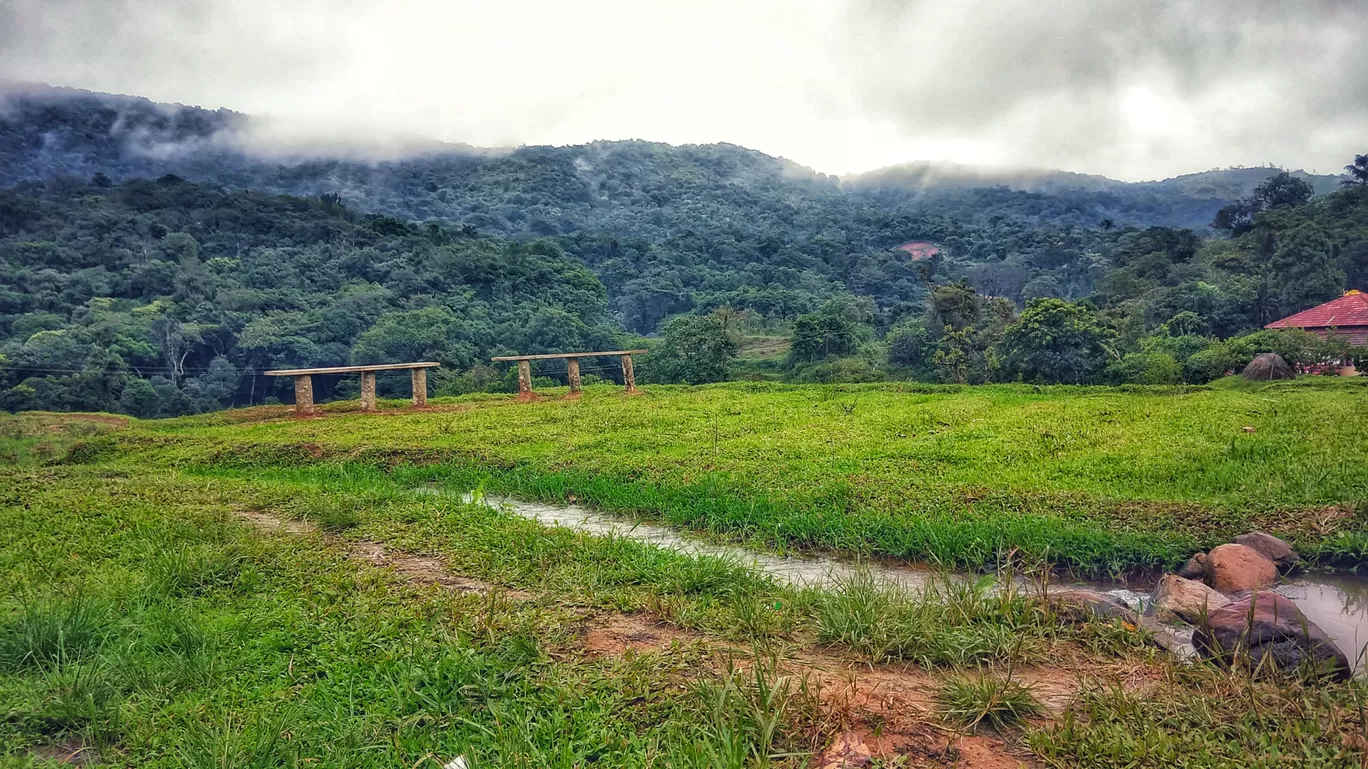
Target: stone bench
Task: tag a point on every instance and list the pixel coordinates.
(303, 383)
(572, 369)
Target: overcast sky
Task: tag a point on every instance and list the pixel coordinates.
(1134, 89)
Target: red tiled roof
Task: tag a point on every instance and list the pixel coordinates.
(1346, 312)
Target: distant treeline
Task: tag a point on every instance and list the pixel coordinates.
(160, 295)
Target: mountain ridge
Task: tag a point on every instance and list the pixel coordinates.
(915, 174)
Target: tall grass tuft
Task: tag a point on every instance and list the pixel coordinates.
(81, 697)
(997, 701)
(751, 711)
(192, 569)
(949, 622)
(334, 513)
(52, 632)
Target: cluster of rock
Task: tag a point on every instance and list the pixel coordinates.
(1238, 617)
(1225, 596)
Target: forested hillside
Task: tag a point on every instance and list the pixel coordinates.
(667, 229)
(166, 297)
(151, 264)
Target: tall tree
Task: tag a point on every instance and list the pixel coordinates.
(1303, 266)
(1357, 171)
(697, 349)
(1055, 342)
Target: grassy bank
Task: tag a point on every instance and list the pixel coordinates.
(145, 625)
(165, 610)
(1095, 479)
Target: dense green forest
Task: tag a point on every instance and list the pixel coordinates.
(149, 264)
(667, 229)
(165, 297)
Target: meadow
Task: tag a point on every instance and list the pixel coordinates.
(244, 589)
(1095, 480)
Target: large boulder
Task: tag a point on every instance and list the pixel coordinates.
(1195, 568)
(1272, 548)
(1267, 631)
(1185, 599)
(1238, 568)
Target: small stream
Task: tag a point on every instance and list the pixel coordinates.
(1337, 602)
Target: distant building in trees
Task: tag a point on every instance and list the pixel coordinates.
(1345, 317)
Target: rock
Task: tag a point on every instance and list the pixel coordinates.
(1174, 639)
(1272, 548)
(1195, 568)
(847, 751)
(1237, 568)
(1268, 626)
(1185, 599)
(1099, 604)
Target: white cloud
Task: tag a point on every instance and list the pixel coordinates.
(1135, 90)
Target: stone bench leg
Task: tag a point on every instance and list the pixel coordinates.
(304, 405)
(525, 381)
(573, 374)
(368, 391)
(419, 387)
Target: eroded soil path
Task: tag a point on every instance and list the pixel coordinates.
(883, 711)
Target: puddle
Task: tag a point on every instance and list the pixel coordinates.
(1338, 603)
(799, 571)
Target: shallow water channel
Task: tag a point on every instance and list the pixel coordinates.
(1337, 602)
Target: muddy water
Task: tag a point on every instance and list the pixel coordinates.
(799, 571)
(1338, 602)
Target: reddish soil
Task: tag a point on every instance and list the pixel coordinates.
(888, 712)
(424, 570)
(920, 249)
(612, 635)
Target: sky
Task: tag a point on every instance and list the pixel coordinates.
(1132, 89)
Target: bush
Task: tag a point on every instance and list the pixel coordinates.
(1055, 342)
(843, 371)
(1212, 363)
(1151, 368)
(1302, 350)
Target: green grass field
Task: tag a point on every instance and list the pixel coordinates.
(245, 589)
(1095, 479)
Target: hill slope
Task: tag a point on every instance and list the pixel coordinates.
(667, 229)
(167, 297)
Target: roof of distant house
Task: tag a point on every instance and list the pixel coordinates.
(1348, 311)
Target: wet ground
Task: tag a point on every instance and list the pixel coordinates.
(1337, 602)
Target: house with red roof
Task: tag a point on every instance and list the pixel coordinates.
(1345, 317)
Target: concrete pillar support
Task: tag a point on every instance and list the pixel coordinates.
(368, 391)
(573, 374)
(629, 376)
(419, 388)
(525, 380)
(304, 405)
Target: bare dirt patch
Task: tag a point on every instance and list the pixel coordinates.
(888, 712)
(426, 570)
(615, 634)
(267, 522)
(71, 752)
